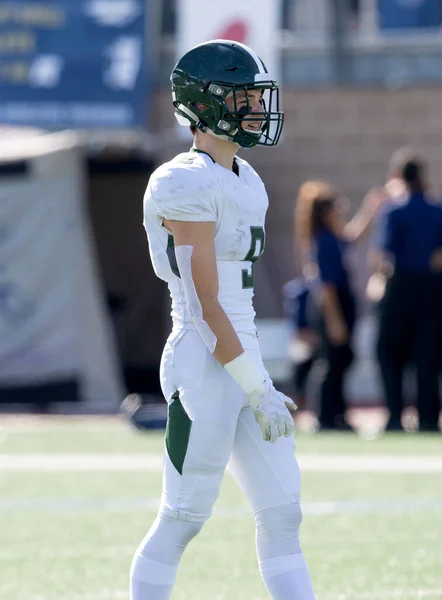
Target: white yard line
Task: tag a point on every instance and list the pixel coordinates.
(124, 505)
(81, 462)
(337, 463)
(383, 463)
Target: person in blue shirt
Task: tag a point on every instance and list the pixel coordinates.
(302, 312)
(410, 311)
(323, 232)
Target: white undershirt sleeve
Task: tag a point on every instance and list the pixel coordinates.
(183, 256)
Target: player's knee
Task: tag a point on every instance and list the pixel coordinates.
(185, 530)
(277, 530)
(169, 536)
(179, 529)
(278, 521)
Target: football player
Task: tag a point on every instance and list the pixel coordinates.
(204, 214)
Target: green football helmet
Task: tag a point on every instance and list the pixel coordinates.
(210, 73)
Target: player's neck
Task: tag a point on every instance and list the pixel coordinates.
(222, 151)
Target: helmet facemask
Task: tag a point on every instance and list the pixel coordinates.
(268, 121)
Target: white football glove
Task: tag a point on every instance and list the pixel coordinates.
(272, 413)
(270, 407)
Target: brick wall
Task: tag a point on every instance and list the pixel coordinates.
(345, 136)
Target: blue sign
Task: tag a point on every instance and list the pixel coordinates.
(73, 63)
(409, 14)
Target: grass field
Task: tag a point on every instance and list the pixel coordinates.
(77, 495)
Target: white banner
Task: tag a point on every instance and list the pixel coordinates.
(53, 324)
(251, 22)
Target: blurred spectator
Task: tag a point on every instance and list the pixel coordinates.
(410, 311)
(323, 232)
(396, 195)
(302, 310)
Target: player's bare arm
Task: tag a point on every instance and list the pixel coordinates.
(200, 238)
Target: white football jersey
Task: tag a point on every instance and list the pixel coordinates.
(192, 187)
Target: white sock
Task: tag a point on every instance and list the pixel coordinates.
(144, 591)
(151, 580)
(287, 578)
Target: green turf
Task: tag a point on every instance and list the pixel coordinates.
(71, 535)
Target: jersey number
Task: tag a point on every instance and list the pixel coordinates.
(256, 249)
(248, 275)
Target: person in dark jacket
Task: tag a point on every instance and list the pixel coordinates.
(410, 311)
(323, 232)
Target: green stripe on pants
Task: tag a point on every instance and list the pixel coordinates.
(177, 433)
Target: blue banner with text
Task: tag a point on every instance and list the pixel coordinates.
(73, 63)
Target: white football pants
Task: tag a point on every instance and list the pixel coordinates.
(221, 430)
(208, 427)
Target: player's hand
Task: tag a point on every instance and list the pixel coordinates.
(272, 413)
